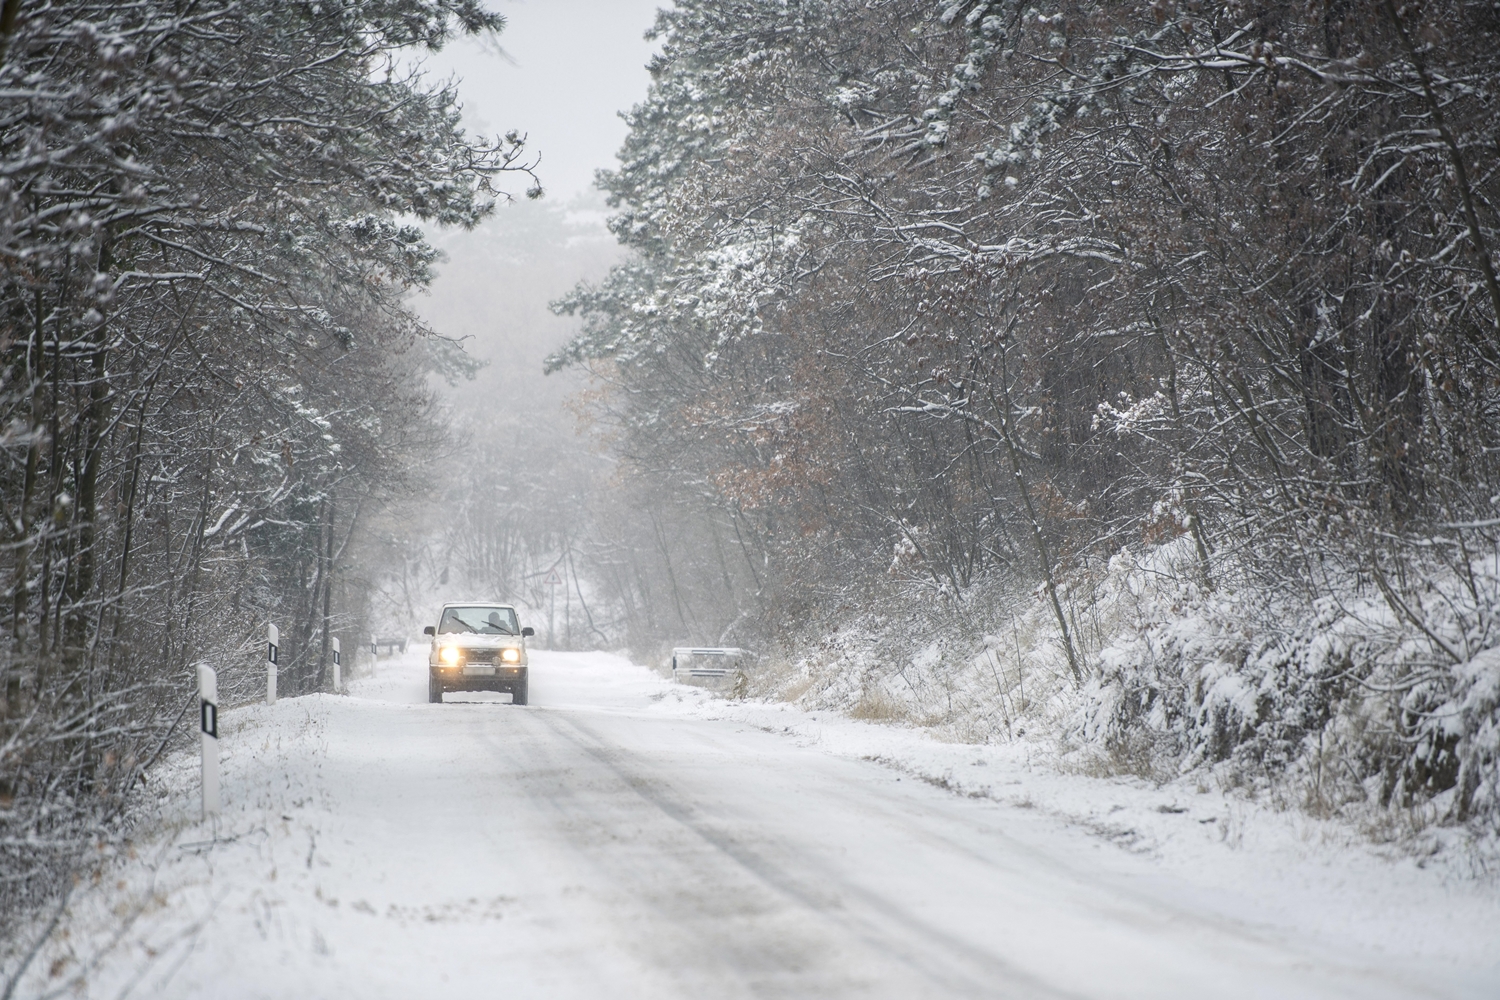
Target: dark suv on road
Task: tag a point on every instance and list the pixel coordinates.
(477, 647)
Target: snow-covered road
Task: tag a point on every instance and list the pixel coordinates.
(598, 844)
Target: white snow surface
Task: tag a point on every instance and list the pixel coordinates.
(627, 837)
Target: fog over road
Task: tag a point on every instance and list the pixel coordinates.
(598, 845)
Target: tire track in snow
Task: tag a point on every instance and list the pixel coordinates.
(1179, 945)
(948, 966)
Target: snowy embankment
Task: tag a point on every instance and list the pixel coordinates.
(1378, 712)
(631, 837)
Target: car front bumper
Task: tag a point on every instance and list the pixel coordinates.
(501, 678)
(712, 677)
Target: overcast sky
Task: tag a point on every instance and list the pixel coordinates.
(569, 67)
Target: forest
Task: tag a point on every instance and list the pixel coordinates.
(1121, 377)
(209, 223)
(1127, 372)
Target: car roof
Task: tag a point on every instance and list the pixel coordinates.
(477, 604)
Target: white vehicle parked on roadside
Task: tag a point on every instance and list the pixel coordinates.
(478, 647)
(709, 665)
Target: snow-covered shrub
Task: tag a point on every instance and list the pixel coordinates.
(1463, 735)
(1358, 697)
(1337, 704)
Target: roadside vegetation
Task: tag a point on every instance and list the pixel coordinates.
(1123, 374)
(210, 386)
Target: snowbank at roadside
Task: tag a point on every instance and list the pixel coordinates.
(1290, 869)
(1337, 706)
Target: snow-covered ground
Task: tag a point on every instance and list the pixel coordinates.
(626, 837)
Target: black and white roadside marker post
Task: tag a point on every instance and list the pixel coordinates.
(208, 723)
(273, 638)
(336, 671)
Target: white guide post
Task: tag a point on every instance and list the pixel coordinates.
(208, 722)
(336, 671)
(273, 638)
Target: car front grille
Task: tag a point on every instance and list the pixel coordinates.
(480, 656)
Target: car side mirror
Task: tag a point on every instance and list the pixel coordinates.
(429, 630)
(528, 630)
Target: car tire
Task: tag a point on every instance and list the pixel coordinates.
(434, 691)
(518, 694)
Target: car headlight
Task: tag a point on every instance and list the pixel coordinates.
(449, 655)
(510, 654)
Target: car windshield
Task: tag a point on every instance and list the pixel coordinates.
(484, 619)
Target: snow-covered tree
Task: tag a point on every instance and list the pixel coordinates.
(1001, 288)
(208, 374)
